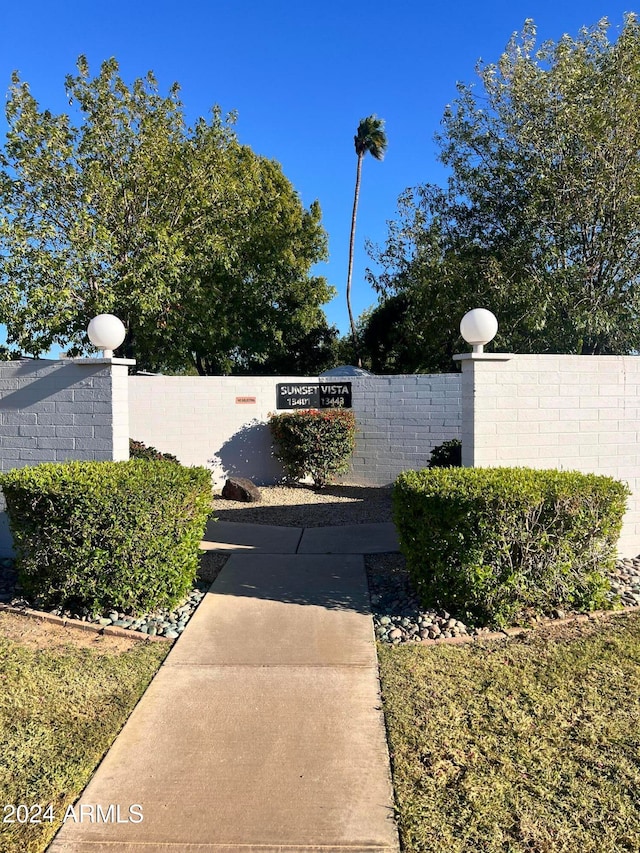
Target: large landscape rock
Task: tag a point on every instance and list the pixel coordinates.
(240, 489)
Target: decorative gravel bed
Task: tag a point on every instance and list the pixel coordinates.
(398, 616)
(303, 506)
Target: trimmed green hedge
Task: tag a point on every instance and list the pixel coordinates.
(107, 534)
(315, 443)
(501, 544)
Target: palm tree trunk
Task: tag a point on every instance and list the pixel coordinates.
(352, 241)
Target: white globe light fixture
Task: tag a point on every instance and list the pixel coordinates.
(478, 327)
(106, 332)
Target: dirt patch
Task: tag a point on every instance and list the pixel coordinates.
(41, 634)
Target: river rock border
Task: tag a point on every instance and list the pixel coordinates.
(486, 634)
(399, 617)
(164, 624)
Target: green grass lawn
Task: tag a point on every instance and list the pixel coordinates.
(528, 745)
(61, 705)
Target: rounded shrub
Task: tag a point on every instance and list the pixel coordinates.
(123, 535)
(314, 443)
(502, 544)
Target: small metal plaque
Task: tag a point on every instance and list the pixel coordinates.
(245, 399)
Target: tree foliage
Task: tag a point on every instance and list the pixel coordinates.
(540, 219)
(202, 247)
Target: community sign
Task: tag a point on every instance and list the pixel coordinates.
(313, 395)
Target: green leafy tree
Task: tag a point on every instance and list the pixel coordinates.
(266, 302)
(391, 346)
(202, 247)
(369, 139)
(305, 354)
(540, 220)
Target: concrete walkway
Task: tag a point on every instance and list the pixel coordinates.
(263, 729)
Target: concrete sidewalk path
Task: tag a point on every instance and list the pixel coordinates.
(264, 538)
(268, 539)
(349, 539)
(263, 730)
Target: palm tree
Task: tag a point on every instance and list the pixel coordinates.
(371, 139)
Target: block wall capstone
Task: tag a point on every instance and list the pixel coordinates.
(568, 412)
(205, 420)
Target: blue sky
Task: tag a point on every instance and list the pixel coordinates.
(301, 75)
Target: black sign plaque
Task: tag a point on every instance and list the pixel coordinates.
(313, 395)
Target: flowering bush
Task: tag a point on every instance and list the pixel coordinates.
(314, 443)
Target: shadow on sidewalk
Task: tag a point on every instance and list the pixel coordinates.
(333, 582)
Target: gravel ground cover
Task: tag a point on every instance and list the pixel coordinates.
(161, 623)
(303, 506)
(398, 616)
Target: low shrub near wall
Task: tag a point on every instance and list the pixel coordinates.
(107, 534)
(314, 443)
(500, 544)
(139, 450)
(447, 455)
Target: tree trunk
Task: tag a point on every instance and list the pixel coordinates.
(352, 241)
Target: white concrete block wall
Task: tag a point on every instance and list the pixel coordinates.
(120, 412)
(557, 411)
(544, 411)
(53, 411)
(400, 419)
(198, 419)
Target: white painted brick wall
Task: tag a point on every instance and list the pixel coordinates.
(53, 411)
(400, 419)
(547, 411)
(557, 411)
(118, 432)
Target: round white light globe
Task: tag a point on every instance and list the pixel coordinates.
(478, 327)
(106, 332)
